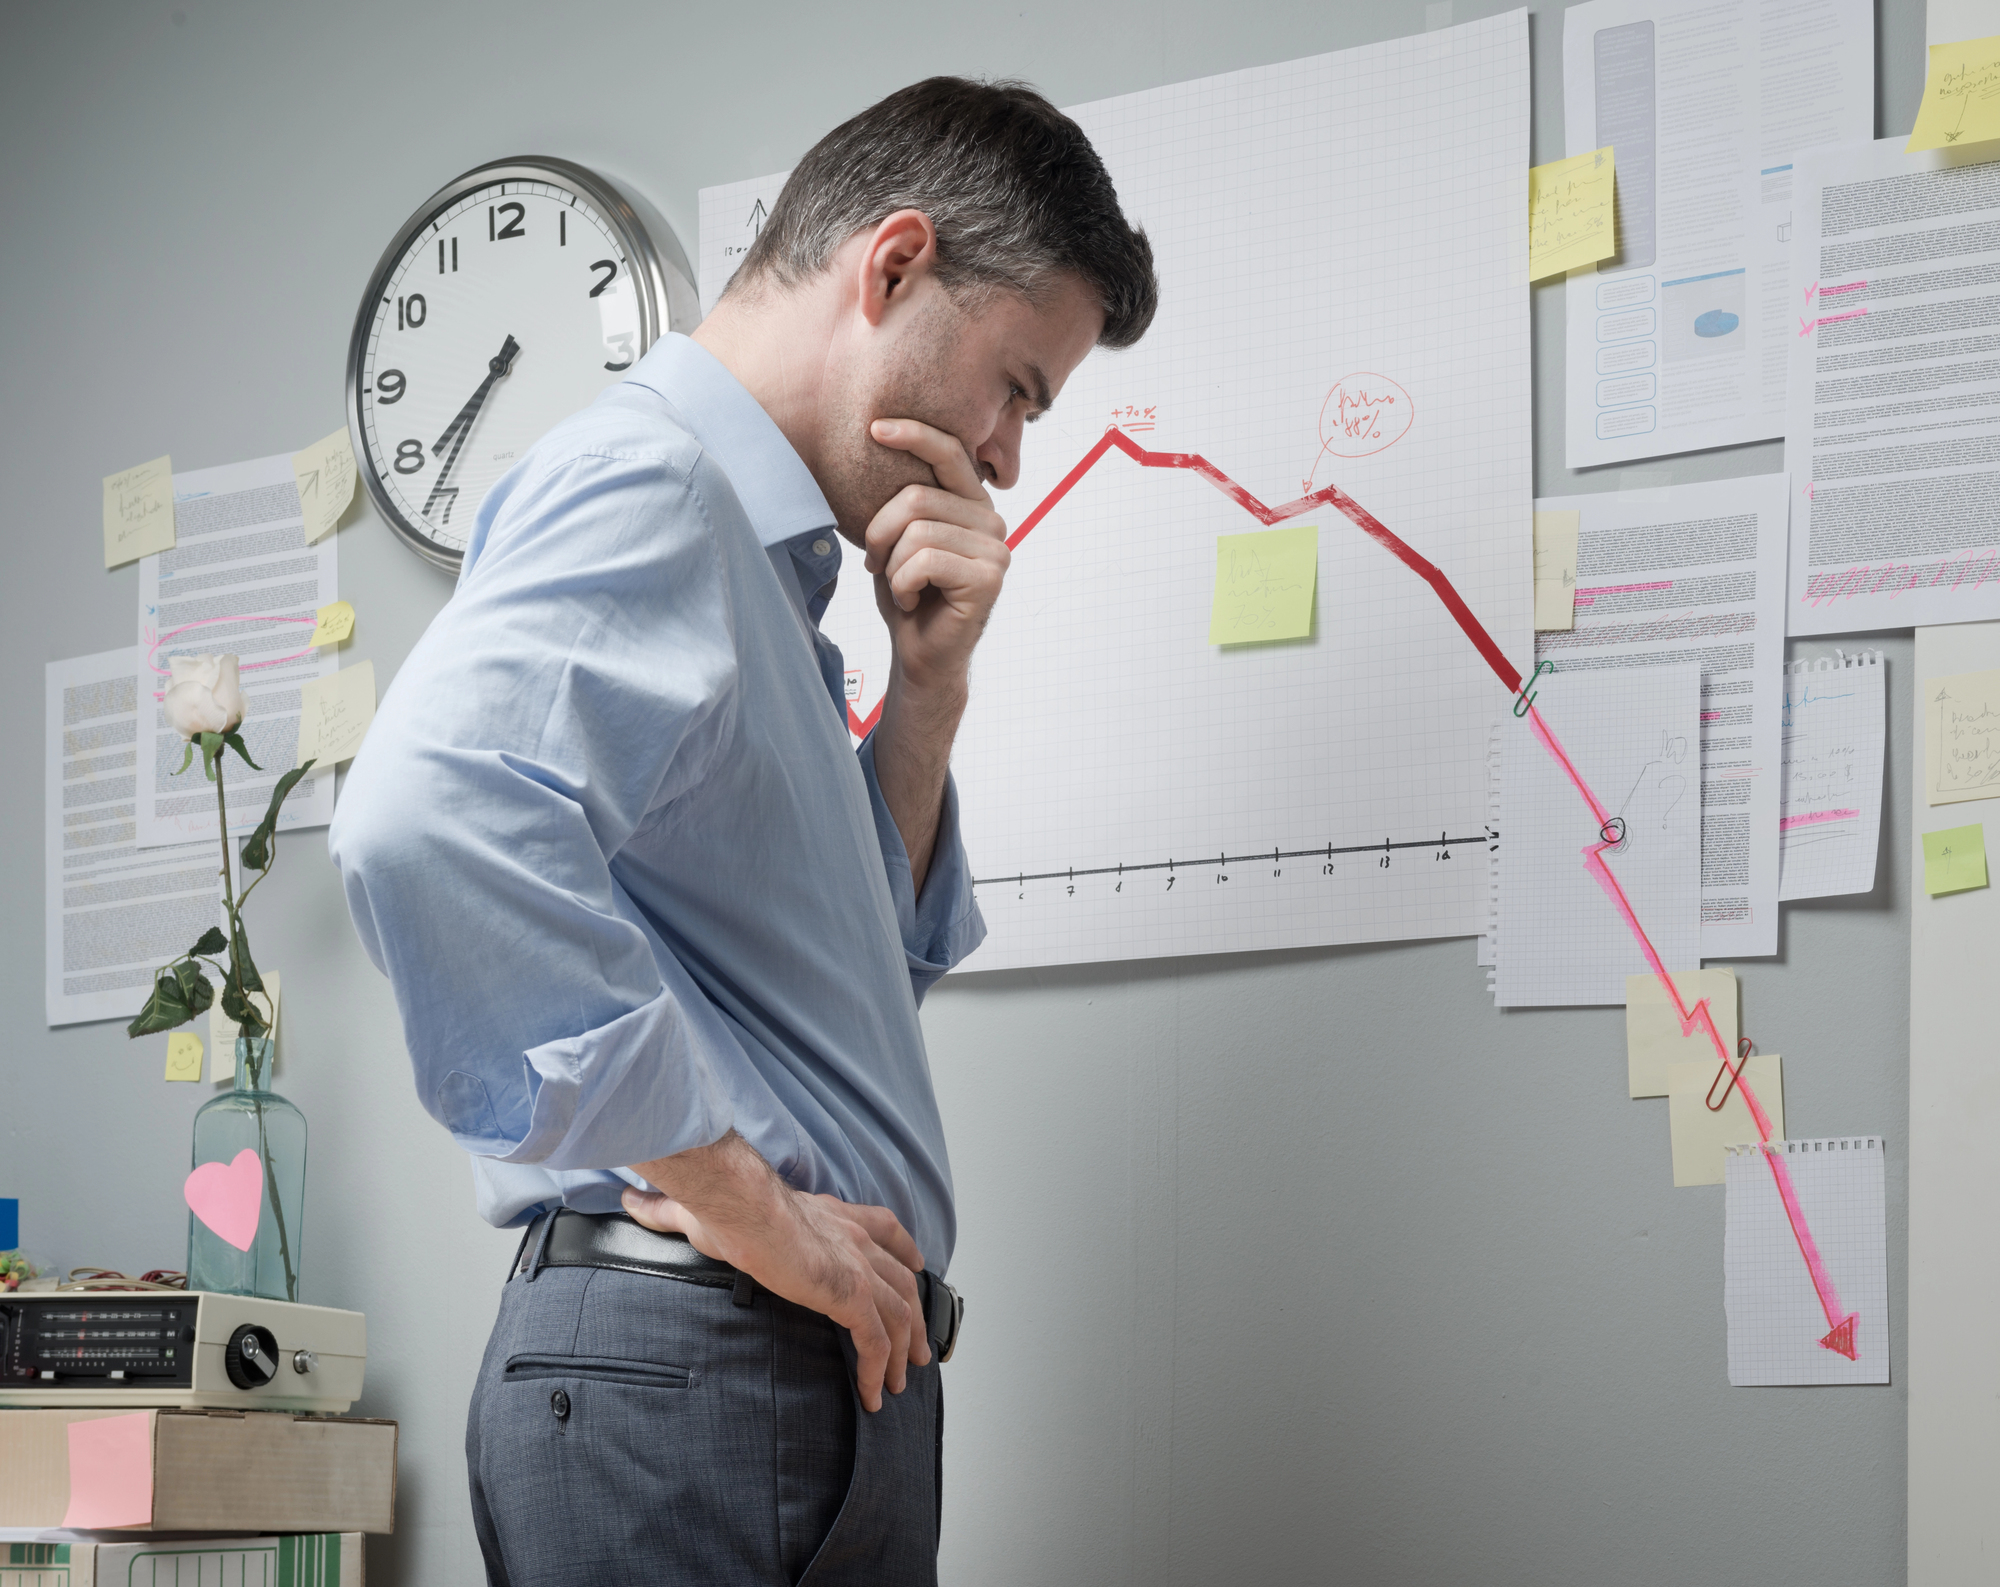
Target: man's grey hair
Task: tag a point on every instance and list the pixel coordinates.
(1017, 194)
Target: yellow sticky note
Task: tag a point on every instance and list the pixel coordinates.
(334, 714)
(223, 1031)
(183, 1055)
(139, 511)
(336, 622)
(1570, 213)
(325, 475)
(1699, 1135)
(1962, 737)
(1653, 1037)
(1555, 570)
(1264, 586)
(1955, 860)
(1961, 96)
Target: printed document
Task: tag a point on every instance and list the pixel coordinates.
(1696, 574)
(1678, 342)
(239, 579)
(1893, 418)
(112, 912)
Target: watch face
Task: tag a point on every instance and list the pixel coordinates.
(509, 303)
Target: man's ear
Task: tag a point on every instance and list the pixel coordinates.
(901, 249)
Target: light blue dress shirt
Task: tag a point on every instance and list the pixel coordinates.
(610, 843)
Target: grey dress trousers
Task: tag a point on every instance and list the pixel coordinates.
(634, 1429)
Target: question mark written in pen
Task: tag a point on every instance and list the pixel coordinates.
(1676, 786)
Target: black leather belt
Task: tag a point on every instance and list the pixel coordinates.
(613, 1240)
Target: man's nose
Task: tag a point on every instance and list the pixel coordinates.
(1000, 462)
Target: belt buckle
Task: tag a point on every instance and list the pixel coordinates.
(955, 1311)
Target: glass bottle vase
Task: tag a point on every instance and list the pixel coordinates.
(255, 1119)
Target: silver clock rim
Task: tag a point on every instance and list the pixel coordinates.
(667, 298)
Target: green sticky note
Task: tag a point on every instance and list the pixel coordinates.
(1955, 860)
(1264, 586)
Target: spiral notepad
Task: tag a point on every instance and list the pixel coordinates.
(1778, 1318)
(1830, 811)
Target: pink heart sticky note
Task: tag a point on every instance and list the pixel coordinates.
(228, 1197)
(111, 1471)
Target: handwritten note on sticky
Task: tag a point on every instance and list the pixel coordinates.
(334, 714)
(336, 622)
(1555, 570)
(1961, 96)
(1962, 737)
(1653, 1035)
(325, 475)
(1699, 1134)
(111, 1471)
(1264, 586)
(1570, 213)
(138, 511)
(1955, 860)
(223, 1031)
(183, 1055)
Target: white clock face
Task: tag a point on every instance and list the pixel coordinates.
(510, 308)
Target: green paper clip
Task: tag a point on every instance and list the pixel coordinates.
(1521, 705)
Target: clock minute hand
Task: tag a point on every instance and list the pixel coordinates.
(460, 427)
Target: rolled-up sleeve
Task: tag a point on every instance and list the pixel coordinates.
(941, 927)
(582, 675)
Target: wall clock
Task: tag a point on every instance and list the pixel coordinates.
(512, 296)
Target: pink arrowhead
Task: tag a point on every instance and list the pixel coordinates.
(228, 1197)
(1841, 1340)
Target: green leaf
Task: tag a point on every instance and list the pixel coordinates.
(211, 752)
(235, 742)
(257, 847)
(212, 942)
(195, 988)
(244, 966)
(166, 1008)
(248, 1016)
(187, 754)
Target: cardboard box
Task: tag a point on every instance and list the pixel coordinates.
(327, 1559)
(172, 1470)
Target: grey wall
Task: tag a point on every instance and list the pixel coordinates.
(1299, 1266)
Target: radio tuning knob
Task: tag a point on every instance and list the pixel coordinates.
(251, 1357)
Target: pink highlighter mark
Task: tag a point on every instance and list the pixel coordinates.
(1834, 292)
(1711, 716)
(111, 1471)
(1815, 818)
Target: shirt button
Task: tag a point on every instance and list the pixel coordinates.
(559, 1403)
(821, 548)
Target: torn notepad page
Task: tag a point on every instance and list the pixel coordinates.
(1696, 574)
(1892, 430)
(112, 913)
(1790, 1323)
(1634, 739)
(1679, 341)
(240, 579)
(1832, 799)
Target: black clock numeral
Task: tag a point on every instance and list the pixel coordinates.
(620, 344)
(562, 228)
(448, 494)
(610, 269)
(512, 228)
(409, 457)
(454, 255)
(390, 386)
(411, 311)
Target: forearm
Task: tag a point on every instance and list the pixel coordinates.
(727, 1185)
(912, 757)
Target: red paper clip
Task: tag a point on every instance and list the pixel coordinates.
(1744, 1048)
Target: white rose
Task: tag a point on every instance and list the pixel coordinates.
(205, 696)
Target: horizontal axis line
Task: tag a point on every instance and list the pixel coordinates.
(1327, 851)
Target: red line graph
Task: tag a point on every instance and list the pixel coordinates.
(1841, 1325)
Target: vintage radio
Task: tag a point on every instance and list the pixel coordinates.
(175, 1347)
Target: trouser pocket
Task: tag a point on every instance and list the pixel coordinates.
(604, 1369)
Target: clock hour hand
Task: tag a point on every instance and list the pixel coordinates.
(461, 426)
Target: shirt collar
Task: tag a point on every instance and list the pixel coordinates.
(771, 479)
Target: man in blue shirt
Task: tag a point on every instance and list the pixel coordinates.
(658, 934)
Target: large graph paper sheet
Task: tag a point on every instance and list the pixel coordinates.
(1349, 226)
